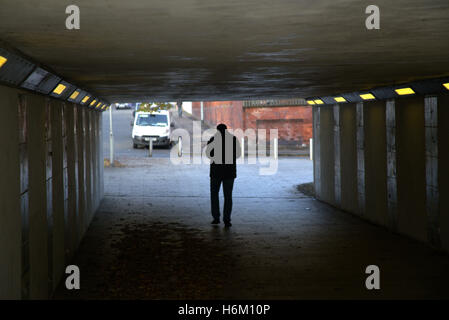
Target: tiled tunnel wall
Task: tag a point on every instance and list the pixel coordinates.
(387, 161)
(51, 170)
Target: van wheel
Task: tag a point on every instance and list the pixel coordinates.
(134, 146)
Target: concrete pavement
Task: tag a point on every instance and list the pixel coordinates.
(152, 239)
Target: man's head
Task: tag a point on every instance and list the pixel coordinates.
(222, 128)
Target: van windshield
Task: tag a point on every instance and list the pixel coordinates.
(154, 120)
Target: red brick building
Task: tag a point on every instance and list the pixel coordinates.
(292, 118)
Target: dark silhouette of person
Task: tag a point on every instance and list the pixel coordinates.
(223, 149)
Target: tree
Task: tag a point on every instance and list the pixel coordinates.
(154, 106)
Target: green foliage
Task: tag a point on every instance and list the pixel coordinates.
(154, 106)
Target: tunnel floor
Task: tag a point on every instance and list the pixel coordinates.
(152, 239)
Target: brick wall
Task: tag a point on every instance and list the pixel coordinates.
(215, 112)
(294, 123)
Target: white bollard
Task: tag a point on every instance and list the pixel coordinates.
(179, 146)
(241, 159)
(150, 148)
(275, 146)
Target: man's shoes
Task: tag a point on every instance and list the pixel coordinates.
(228, 224)
(215, 221)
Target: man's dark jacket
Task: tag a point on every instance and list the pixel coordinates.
(223, 170)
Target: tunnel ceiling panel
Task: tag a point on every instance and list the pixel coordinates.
(217, 50)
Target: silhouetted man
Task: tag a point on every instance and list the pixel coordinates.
(223, 149)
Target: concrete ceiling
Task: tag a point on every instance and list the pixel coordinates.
(235, 49)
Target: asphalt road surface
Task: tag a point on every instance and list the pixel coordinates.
(123, 144)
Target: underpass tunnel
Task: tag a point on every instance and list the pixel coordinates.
(375, 104)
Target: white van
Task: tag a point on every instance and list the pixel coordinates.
(152, 125)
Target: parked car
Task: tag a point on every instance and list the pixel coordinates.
(152, 125)
(122, 106)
